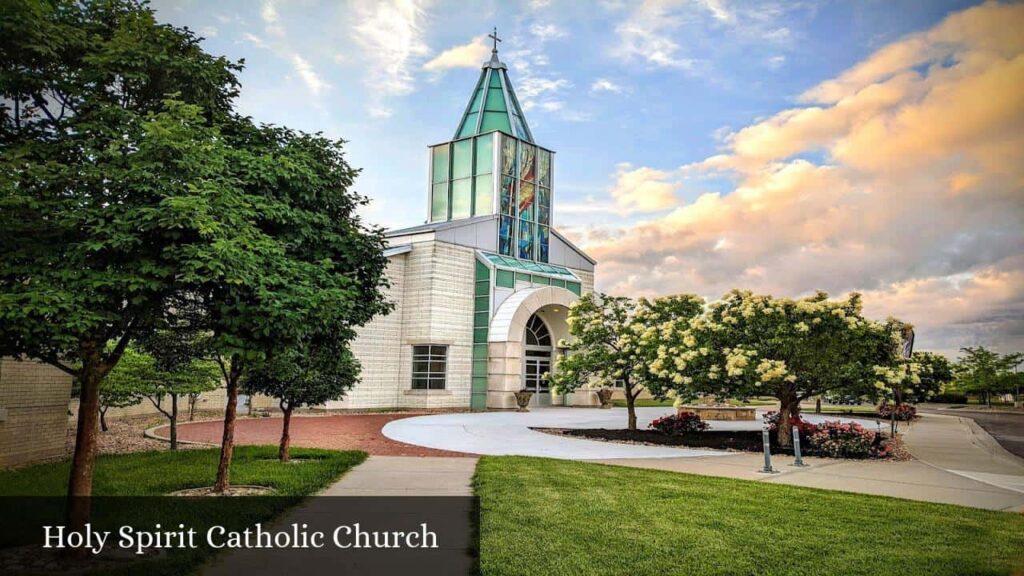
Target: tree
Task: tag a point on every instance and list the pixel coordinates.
(105, 134)
(751, 345)
(319, 369)
(934, 372)
(985, 371)
(300, 260)
(613, 342)
(118, 389)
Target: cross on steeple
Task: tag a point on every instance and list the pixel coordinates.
(494, 36)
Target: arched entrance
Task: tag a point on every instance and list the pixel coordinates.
(537, 357)
(510, 343)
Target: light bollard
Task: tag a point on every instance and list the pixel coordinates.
(796, 448)
(767, 451)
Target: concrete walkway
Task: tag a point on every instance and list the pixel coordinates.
(512, 434)
(407, 476)
(377, 476)
(957, 463)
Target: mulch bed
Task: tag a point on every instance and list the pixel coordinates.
(738, 440)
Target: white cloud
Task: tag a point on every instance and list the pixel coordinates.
(271, 20)
(208, 31)
(391, 37)
(313, 81)
(469, 55)
(605, 85)
(915, 196)
(545, 32)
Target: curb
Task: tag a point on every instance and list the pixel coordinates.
(152, 435)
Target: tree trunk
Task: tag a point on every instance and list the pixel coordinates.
(227, 445)
(788, 406)
(286, 439)
(80, 480)
(174, 421)
(103, 419)
(627, 388)
(817, 405)
(192, 399)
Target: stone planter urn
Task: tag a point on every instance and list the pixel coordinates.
(523, 400)
(605, 396)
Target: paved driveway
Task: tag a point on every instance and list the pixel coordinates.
(509, 433)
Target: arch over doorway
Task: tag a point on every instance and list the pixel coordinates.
(507, 338)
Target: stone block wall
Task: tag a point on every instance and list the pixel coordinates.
(33, 412)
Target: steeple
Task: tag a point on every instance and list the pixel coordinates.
(494, 105)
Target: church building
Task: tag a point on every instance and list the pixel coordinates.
(482, 289)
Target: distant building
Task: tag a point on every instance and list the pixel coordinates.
(482, 289)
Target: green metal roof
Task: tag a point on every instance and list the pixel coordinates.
(494, 105)
(517, 265)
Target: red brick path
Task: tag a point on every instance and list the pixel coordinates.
(338, 432)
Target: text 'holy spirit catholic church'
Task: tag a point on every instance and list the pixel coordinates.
(481, 291)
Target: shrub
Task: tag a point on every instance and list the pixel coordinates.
(949, 398)
(904, 412)
(842, 440)
(676, 424)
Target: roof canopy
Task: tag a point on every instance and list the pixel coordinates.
(494, 105)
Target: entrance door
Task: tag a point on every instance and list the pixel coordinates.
(537, 361)
(533, 375)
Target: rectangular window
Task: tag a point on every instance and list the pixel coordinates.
(440, 155)
(525, 240)
(439, 202)
(508, 156)
(484, 154)
(429, 367)
(462, 198)
(483, 192)
(505, 235)
(462, 159)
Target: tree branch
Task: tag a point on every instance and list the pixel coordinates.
(157, 400)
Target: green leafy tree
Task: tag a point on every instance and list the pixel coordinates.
(321, 368)
(984, 372)
(119, 389)
(106, 149)
(300, 262)
(752, 345)
(935, 371)
(614, 341)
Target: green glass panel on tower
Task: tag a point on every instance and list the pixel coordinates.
(493, 105)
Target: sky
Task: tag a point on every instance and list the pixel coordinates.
(702, 145)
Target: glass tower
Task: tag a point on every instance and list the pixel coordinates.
(493, 166)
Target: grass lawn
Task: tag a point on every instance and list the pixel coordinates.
(641, 402)
(150, 474)
(557, 517)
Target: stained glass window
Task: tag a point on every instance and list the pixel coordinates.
(508, 156)
(525, 240)
(526, 198)
(483, 192)
(462, 198)
(526, 162)
(505, 236)
(544, 215)
(484, 154)
(462, 159)
(542, 243)
(544, 167)
(440, 156)
(439, 202)
(508, 195)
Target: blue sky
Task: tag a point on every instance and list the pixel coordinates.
(869, 146)
(730, 71)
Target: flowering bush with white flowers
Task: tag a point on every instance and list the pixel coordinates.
(752, 345)
(615, 340)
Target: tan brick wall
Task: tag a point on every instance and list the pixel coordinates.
(33, 406)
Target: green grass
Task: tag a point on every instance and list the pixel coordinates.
(556, 517)
(154, 474)
(157, 473)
